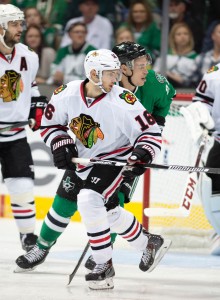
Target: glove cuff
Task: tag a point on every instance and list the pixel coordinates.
(145, 153)
(60, 142)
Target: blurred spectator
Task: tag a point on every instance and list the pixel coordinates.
(53, 11)
(100, 29)
(123, 34)
(34, 39)
(180, 60)
(50, 33)
(106, 9)
(69, 62)
(213, 11)
(145, 30)
(208, 41)
(207, 59)
(179, 11)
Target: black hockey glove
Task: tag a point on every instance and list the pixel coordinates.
(139, 155)
(38, 105)
(64, 149)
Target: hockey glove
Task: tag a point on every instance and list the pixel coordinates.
(38, 105)
(64, 149)
(139, 155)
(197, 117)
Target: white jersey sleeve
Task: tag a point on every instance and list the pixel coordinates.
(208, 92)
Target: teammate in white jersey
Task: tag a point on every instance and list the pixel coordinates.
(205, 110)
(109, 123)
(19, 101)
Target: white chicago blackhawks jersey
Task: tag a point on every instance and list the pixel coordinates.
(17, 86)
(208, 92)
(107, 127)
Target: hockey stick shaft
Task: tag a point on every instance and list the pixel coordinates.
(79, 262)
(30, 122)
(86, 161)
(186, 203)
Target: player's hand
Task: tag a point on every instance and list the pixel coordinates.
(38, 105)
(138, 156)
(64, 149)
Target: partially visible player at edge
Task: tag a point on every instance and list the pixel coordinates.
(156, 95)
(19, 100)
(108, 122)
(205, 110)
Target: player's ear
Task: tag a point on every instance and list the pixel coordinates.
(124, 69)
(94, 76)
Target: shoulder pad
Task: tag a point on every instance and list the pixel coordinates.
(128, 97)
(160, 77)
(60, 89)
(212, 69)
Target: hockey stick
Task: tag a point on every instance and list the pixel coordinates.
(79, 262)
(186, 201)
(86, 161)
(30, 122)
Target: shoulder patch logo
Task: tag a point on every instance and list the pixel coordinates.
(128, 97)
(212, 69)
(86, 130)
(60, 89)
(160, 77)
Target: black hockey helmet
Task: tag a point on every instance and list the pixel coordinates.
(128, 51)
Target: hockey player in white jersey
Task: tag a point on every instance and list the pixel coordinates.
(19, 101)
(109, 123)
(205, 110)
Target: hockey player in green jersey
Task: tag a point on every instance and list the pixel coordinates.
(155, 93)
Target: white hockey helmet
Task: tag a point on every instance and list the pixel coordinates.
(100, 60)
(9, 12)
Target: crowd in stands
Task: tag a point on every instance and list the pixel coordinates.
(62, 33)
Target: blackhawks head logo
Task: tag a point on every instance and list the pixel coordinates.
(128, 97)
(10, 86)
(86, 130)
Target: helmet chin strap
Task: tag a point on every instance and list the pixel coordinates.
(99, 84)
(3, 41)
(129, 79)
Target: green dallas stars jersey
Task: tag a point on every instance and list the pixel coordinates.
(156, 94)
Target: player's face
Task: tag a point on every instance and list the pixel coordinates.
(140, 71)
(109, 78)
(13, 33)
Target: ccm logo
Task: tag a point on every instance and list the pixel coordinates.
(189, 193)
